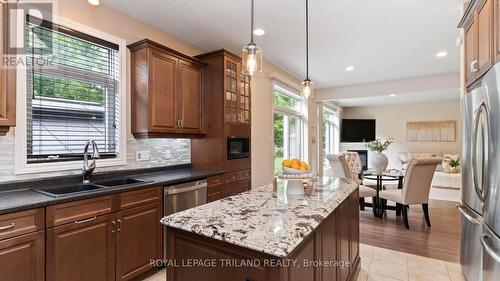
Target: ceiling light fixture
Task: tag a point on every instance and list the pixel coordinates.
(259, 32)
(94, 2)
(442, 54)
(349, 68)
(252, 54)
(392, 95)
(307, 89)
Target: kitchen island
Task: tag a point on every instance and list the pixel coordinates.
(267, 235)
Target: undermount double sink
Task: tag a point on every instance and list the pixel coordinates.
(87, 187)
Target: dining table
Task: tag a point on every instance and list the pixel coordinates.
(380, 178)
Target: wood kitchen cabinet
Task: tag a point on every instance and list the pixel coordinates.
(335, 239)
(138, 240)
(82, 251)
(22, 246)
(480, 39)
(496, 29)
(229, 184)
(7, 88)
(22, 258)
(105, 238)
(166, 92)
(485, 44)
(237, 93)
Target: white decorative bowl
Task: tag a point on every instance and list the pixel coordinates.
(294, 187)
(287, 170)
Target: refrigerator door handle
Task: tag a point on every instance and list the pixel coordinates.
(469, 217)
(481, 192)
(487, 247)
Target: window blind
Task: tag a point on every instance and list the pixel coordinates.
(73, 100)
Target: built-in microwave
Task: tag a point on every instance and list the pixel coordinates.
(238, 147)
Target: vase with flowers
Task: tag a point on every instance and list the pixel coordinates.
(379, 160)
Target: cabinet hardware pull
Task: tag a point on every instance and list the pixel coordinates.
(86, 220)
(473, 67)
(7, 227)
(113, 226)
(119, 225)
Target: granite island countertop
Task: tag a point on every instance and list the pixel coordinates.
(262, 219)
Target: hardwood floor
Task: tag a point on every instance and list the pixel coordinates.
(441, 241)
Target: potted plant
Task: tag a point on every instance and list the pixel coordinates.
(379, 160)
(453, 166)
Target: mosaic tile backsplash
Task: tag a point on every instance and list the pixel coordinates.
(163, 152)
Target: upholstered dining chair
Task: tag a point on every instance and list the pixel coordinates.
(416, 187)
(339, 167)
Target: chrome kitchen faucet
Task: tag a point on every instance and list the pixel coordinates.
(89, 168)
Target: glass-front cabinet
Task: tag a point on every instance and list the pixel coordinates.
(236, 93)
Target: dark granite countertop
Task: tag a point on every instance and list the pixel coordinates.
(18, 196)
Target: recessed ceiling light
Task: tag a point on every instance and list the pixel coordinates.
(349, 68)
(392, 95)
(442, 54)
(94, 2)
(259, 32)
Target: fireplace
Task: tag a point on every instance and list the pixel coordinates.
(363, 155)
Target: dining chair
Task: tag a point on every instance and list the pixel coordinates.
(416, 187)
(339, 167)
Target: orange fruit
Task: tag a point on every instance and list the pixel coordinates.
(296, 161)
(304, 165)
(295, 166)
(286, 163)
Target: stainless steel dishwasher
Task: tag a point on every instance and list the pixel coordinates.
(182, 197)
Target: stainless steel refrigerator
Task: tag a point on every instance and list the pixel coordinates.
(480, 206)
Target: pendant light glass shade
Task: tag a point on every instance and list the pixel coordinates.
(307, 89)
(252, 54)
(252, 59)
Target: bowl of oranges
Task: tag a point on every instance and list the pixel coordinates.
(294, 166)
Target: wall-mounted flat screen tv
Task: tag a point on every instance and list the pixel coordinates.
(358, 130)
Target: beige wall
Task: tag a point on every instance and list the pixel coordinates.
(391, 122)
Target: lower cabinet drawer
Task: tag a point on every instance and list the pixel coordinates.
(231, 177)
(215, 193)
(139, 197)
(215, 180)
(236, 188)
(79, 210)
(23, 257)
(19, 223)
(245, 174)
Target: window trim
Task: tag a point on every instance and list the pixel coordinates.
(21, 159)
(333, 133)
(294, 93)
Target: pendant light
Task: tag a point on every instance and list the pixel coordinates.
(307, 89)
(252, 54)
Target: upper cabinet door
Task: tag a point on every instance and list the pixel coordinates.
(470, 50)
(485, 36)
(7, 89)
(231, 78)
(496, 21)
(190, 98)
(163, 88)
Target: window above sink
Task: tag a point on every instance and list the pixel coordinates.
(81, 96)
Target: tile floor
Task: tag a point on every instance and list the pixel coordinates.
(378, 264)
